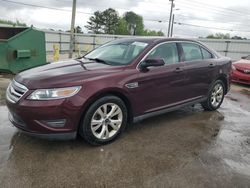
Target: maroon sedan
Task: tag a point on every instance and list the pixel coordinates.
(123, 81)
(241, 71)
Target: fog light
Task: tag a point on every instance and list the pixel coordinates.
(56, 123)
(16, 119)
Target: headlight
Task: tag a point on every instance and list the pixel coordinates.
(56, 93)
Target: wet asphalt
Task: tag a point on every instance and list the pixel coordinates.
(184, 148)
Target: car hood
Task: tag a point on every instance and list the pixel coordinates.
(242, 64)
(64, 74)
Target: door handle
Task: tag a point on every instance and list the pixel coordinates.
(178, 69)
(211, 65)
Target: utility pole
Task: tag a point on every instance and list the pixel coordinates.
(172, 26)
(170, 17)
(71, 46)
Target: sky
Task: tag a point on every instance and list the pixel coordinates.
(194, 18)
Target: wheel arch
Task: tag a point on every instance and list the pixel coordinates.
(224, 79)
(113, 92)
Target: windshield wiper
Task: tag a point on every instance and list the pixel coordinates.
(99, 60)
(79, 60)
(82, 62)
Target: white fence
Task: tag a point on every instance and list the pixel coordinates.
(86, 42)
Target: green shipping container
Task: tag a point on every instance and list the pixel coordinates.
(21, 49)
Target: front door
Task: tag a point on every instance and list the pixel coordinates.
(164, 86)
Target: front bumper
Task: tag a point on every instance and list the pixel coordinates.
(35, 117)
(240, 77)
(48, 136)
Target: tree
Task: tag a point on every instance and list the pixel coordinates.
(122, 28)
(135, 23)
(95, 23)
(17, 23)
(219, 36)
(110, 19)
(238, 38)
(225, 36)
(78, 29)
(103, 22)
(152, 33)
(109, 22)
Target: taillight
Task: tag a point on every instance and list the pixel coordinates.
(233, 67)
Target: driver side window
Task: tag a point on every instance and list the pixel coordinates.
(168, 52)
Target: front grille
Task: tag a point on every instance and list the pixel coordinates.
(15, 91)
(244, 71)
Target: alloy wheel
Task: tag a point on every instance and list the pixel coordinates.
(217, 95)
(106, 121)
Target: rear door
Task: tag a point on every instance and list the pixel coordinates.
(164, 86)
(200, 68)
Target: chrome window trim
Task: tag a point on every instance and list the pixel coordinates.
(202, 46)
(179, 41)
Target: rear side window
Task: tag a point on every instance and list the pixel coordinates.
(206, 54)
(191, 51)
(168, 52)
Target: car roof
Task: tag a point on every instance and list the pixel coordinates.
(157, 40)
(151, 39)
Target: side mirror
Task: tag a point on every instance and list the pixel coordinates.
(152, 63)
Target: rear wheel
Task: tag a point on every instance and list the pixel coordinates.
(104, 120)
(215, 97)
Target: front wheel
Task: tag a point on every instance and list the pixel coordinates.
(215, 96)
(104, 121)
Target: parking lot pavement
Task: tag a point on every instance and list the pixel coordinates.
(4, 82)
(185, 148)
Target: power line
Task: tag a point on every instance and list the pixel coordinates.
(216, 7)
(54, 8)
(178, 23)
(209, 10)
(187, 18)
(94, 4)
(41, 6)
(193, 25)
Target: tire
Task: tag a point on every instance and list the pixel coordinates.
(215, 96)
(104, 121)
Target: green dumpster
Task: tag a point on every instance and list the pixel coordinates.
(21, 49)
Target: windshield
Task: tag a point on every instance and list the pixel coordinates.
(117, 53)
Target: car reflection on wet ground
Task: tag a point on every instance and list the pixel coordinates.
(185, 148)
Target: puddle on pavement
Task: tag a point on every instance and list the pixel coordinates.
(230, 148)
(6, 134)
(185, 148)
